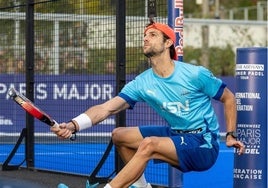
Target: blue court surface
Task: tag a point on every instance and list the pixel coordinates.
(220, 175)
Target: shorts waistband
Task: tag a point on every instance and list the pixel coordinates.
(194, 131)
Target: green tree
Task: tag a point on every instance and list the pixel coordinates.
(222, 60)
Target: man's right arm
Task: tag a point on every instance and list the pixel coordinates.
(92, 116)
(100, 112)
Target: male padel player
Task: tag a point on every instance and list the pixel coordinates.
(179, 92)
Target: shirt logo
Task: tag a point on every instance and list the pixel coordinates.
(177, 108)
(185, 93)
(182, 141)
(151, 92)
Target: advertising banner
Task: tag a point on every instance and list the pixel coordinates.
(175, 21)
(65, 96)
(250, 169)
(61, 96)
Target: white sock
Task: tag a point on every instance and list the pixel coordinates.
(141, 182)
(107, 186)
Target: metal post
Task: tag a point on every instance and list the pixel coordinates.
(260, 11)
(217, 9)
(231, 14)
(17, 32)
(120, 66)
(205, 35)
(56, 47)
(245, 13)
(30, 82)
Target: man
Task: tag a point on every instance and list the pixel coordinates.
(180, 93)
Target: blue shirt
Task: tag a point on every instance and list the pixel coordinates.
(183, 99)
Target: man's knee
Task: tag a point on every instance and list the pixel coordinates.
(146, 148)
(117, 135)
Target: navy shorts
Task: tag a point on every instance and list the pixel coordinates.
(194, 151)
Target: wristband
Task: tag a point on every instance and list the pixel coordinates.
(83, 121)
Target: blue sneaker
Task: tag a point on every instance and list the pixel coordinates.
(91, 186)
(61, 185)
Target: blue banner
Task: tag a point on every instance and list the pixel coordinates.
(250, 169)
(65, 96)
(61, 96)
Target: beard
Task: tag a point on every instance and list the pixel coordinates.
(149, 54)
(152, 51)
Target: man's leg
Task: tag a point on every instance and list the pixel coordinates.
(125, 143)
(150, 148)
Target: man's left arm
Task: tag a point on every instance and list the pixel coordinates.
(229, 103)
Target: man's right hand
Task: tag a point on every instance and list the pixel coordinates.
(64, 130)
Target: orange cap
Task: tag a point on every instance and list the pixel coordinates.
(167, 31)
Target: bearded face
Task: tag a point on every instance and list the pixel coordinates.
(154, 43)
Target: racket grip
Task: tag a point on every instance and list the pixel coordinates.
(73, 135)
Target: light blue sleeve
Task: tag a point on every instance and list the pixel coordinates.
(131, 93)
(131, 90)
(209, 84)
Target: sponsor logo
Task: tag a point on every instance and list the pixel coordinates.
(5, 121)
(250, 174)
(245, 71)
(250, 135)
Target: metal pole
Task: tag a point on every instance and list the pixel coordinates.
(120, 66)
(30, 81)
(260, 11)
(245, 13)
(56, 47)
(17, 32)
(205, 35)
(146, 8)
(17, 38)
(217, 9)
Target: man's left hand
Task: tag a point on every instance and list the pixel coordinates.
(232, 142)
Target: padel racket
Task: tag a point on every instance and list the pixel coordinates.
(33, 110)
